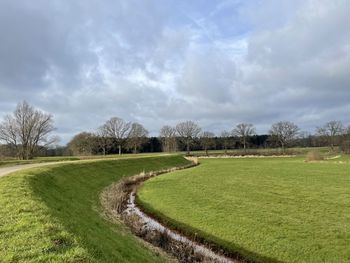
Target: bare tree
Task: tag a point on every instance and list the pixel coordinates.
(83, 143)
(207, 140)
(330, 131)
(284, 132)
(118, 129)
(347, 133)
(27, 129)
(345, 143)
(7, 150)
(104, 141)
(244, 131)
(225, 135)
(187, 131)
(304, 139)
(137, 136)
(9, 132)
(168, 137)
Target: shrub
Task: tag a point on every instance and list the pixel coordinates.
(193, 159)
(345, 146)
(115, 197)
(313, 156)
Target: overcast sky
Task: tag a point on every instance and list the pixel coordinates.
(163, 61)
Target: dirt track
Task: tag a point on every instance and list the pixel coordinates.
(7, 170)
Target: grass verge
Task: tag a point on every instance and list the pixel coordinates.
(53, 214)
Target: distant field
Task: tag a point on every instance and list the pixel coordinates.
(53, 214)
(297, 151)
(268, 210)
(266, 151)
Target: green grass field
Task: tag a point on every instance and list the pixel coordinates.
(53, 214)
(297, 151)
(267, 210)
(300, 151)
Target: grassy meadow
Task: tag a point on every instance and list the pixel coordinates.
(270, 151)
(267, 209)
(298, 151)
(53, 214)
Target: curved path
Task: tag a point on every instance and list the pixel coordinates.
(10, 169)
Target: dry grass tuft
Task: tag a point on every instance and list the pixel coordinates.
(182, 251)
(313, 156)
(193, 159)
(114, 198)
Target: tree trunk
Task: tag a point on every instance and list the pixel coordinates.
(26, 155)
(332, 144)
(120, 149)
(188, 148)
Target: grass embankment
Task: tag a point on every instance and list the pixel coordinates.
(267, 210)
(53, 214)
(12, 162)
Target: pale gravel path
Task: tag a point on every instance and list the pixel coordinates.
(10, 169)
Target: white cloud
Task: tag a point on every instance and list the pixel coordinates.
(218, 63)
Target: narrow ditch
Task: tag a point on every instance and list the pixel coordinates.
(119, 202)
(203, 253)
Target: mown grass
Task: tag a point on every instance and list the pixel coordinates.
(53, 214)
(267, 210)
(300, 151)
(13, 161)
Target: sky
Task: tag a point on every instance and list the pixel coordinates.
(161, 62)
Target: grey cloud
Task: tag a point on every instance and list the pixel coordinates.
(159, 63)
(208, 74)
(302, 65)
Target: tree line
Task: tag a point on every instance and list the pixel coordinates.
(187, 136)
(26, 133)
